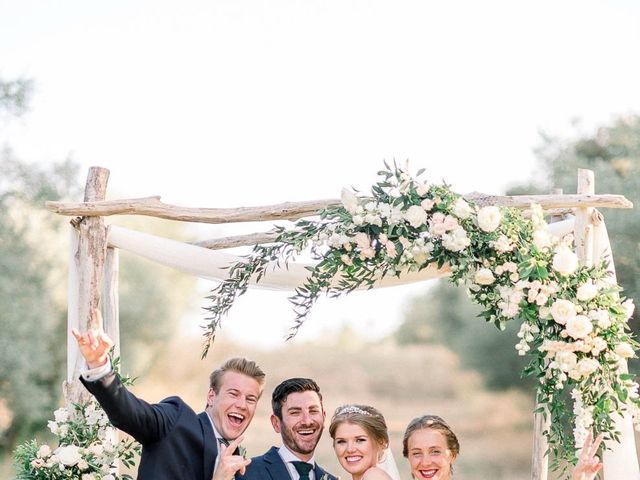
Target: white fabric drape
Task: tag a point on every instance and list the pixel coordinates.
(210, 264)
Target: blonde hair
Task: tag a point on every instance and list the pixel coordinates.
(239, 365)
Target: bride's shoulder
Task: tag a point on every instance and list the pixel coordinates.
(375, 473)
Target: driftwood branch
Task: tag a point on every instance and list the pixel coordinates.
(153, 207)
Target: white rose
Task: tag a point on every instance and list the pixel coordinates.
(565, 261)
(68, 455)
(61, 415)
(427, 204)
(502, 244)
(96, 449)
(88, 476)
(462, 209)
(422, 189)
(566, 361)
(579, 326)
(541, 239)
(43, 451)
(629, 307)
(586, 291)
(484, 276)
(489, 218)
(349, 201)
(624, 350)
(562, 311)
(587, 366)
(415, 215)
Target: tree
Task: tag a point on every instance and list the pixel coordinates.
(33, 275)
(445, 315)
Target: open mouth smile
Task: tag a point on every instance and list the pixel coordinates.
(235, 419)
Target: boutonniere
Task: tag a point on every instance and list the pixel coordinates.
(243, 452)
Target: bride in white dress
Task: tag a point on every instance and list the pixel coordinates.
(361, 443)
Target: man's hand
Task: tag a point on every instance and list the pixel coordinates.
(94, 345)
(588, 464)
(228, 463)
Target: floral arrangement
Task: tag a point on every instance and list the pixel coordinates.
(88, 448)
(573, 317)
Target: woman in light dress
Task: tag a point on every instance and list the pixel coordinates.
(361, 441)
(431, 448)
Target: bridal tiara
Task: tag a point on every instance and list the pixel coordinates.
(353, 409)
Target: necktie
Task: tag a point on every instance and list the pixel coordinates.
(223, 441)
(303, 469)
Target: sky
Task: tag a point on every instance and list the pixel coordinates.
(228, 103)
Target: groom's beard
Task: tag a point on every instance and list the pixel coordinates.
(299, 443)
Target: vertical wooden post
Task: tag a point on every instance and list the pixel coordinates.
(583, 229)
(86, 266)
(541, 423)
(539, 457)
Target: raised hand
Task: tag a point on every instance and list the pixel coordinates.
(588, 463)
(94, 344)
(228, 463)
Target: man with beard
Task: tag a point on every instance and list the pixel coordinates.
(298, 416)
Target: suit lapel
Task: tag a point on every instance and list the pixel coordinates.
(319, 472)
(210, 445)
(275, 466)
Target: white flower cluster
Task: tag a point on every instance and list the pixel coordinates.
(87, 448)
(513, 267)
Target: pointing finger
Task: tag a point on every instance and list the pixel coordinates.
(233, 445)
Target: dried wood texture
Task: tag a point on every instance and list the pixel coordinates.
(87, 263)
(153, 207)
(540, 461)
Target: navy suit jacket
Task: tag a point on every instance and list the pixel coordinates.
(177, 443)
(271, 467)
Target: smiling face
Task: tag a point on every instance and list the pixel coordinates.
(356, 450)
(428, 455)
(302, 423)
(232, 408)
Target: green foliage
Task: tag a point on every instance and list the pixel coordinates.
(446, 315)
(14, 96)
(31, 320)
(613, 153)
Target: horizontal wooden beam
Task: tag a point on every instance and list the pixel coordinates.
(153, 207)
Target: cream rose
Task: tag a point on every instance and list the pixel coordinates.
(541, 239)
(579, 326)
(629, 307)
(562, 311)
(484, 276)
(427, 204)
(462, 209)
(415, 215)
(624, 350)
(349, 201)
(566, 361)
(565, 261)
(489, 218)
(68, 455)
(586, 291)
